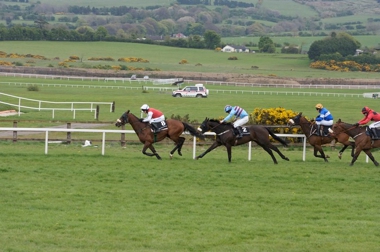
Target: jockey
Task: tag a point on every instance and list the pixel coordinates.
(153, 115)
(370, 115)
(324, 118)
(241, 117)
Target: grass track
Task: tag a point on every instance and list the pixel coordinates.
(74, 199)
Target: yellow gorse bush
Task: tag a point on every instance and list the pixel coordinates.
(274, 116)
(345, 66)
(133, 59)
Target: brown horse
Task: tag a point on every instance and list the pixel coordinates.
(174, 130)
(226, 137)
(318, 141)
(363, 142)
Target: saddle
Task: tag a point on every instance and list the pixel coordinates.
(244, 129)
(323, 130)
(159, 126)
(373, 133)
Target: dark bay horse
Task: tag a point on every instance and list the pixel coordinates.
(318, 141)
(146, 136)
(363, 142)
(226, 137)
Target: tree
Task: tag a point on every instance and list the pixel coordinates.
(341, 43)
(266, 45)
(101, 33)
(211, 39)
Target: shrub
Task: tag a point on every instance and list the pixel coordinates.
(232, 58)
(33, 88)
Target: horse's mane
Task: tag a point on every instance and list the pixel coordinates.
(218, 121)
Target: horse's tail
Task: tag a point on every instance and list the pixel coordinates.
(193, 131)
(277, 138)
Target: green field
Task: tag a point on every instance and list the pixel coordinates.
(369, 41)
(345, 107)
(168, 58)
(74, 199)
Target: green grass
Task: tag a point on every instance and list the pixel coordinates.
(74, 199)
(168, 58)
(366, 41)
(347, 108)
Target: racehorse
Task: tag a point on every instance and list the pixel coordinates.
(363, 142)
(226, 137)
(174, 130)
(317, 141)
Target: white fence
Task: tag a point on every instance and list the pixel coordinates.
(71, 106)
(206, 82)
(212, 91)
(103, 131)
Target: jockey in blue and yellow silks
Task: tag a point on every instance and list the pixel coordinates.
(324, 118)
(241, 117)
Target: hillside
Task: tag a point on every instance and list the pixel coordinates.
(165, 18)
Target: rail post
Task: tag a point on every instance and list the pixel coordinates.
(68, 135)
(97, 112)
(14, 132)
(122, 137)
(113, 107)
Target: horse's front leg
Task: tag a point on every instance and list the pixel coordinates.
(369, 154)
(356, 155)
(341, 151)
(213, 146)
(150, 146)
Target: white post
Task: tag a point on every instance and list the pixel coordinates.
(46, 141)
(249, 150)
(103, 143)
(194, 146)
(304, 149)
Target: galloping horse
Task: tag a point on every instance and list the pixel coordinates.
(363, 142)
(143, 131)
(226, 137)
(318, 141)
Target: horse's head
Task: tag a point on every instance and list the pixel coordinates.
(122, 120)
(204, 126)
(338, 128)
(295, 120)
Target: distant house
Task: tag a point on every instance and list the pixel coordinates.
(179, 35)
(235, 48)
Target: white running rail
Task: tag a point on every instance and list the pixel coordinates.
(70, 106)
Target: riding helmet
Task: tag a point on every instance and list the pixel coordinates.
(365, 110)
(145, 107)
(227, 108)
(319, 106)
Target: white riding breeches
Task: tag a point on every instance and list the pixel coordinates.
(241, 121)
(374, 125)
(158, 119)
(325, 123)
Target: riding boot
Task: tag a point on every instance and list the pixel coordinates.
(318, 130)
(240, 131)
(154, 129)
(374, 133)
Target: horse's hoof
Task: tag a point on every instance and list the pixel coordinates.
(377, 164)
(287, 159)
(179, 153)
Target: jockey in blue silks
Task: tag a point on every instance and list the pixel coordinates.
(324, 118)
(241, 117)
